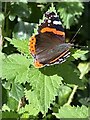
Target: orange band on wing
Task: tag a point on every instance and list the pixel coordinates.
(47, 29)
(32, 44)
(59, 56)
(37, 64)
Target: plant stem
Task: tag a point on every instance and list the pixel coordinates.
(72, 95)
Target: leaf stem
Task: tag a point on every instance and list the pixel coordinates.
(72, 95)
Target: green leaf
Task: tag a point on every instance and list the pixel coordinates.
(25, 115)
(72, 112)
(70, 12)
(2, 57)
(5, 107)
(67, 70)
(14, 104)
(23, 30)
(45, 88)
(80, 54)
(30, 109)
(7, 85)
(20, 9)
(21, 45)
(17, 91)
(11, 114)
(64, 92)
(15, 66)
(84, 69)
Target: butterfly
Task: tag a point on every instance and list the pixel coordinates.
(48, 46)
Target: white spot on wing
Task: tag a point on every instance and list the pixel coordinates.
(57, 22)
(49, 21)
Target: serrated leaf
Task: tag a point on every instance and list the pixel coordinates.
(30, 109)
(72, 112)
(84, 69)
(15, 66)
(21, 45)
(80, 54)
(69, 11)
(45, 88)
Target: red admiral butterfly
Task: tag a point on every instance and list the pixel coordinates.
(48, 47)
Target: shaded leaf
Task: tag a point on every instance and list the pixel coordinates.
(70, 12)
(12, 103)
(20, 9)
(23, 30)
(17, 91)
(11, 114)
(68, 72)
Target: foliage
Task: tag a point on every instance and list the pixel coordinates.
(72, 112)
(58, 91)
(70, 12)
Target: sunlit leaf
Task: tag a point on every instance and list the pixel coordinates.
(72, 112)
(15, 66)
(45, 88)
(80, 54)
(5, 107)
(21, 45)
(84, 69)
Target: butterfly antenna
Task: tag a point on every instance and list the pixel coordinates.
(76, 33)
(78, 46)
